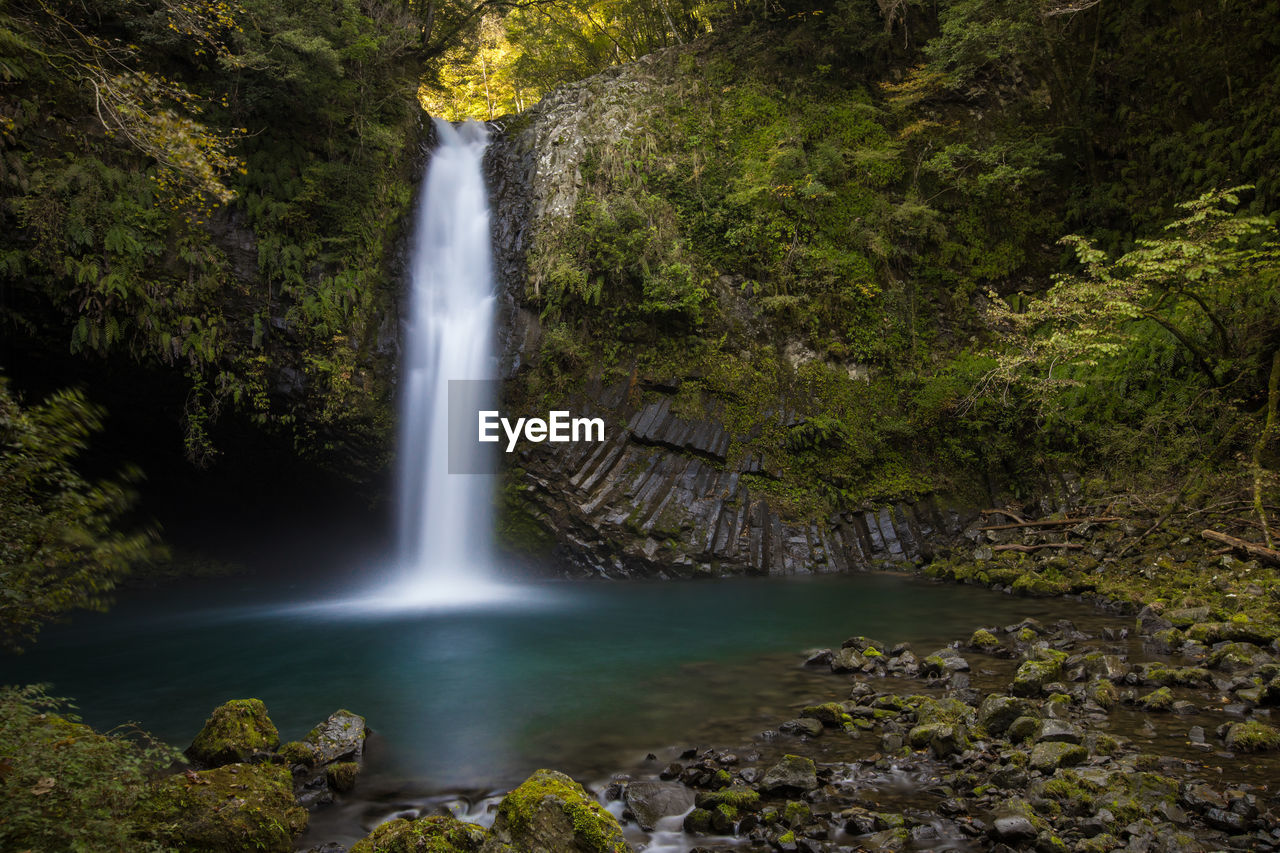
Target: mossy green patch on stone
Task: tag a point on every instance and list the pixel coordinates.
(1047, 757)
(745, 799)
(298, 752)
(1032, 676)
(436, 834)
(551, 812)
(1176, 676)
(984, 640)
(830, 714)
(1103, 692)
(1157, 700)
(796, 813)
(233, 807)
(1252, 736)
(342, 775)
(233, 733)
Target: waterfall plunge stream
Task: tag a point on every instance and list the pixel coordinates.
(446, 520)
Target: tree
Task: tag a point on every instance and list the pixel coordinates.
(1208, 282)
(62, 547)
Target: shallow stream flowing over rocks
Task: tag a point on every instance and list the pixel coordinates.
(1048, 735)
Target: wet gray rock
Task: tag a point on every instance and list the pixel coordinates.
(1013, 829)
(1150, 621)
(1023, 728)
(1058, 731)
(998, 712)
(847, 660)
(649, 802)
(793, 772)
(1048, 757)
(802, 726)
(944, 662)
(822, 657)
(339, 738)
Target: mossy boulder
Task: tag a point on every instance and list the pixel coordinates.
(1023, 728)
(339, 738)
(942, 739)
(1048, 757)
(830, 714)
(1235, 657)
(233, 807)
(551, 813)
(1157, 700)
(929, 710)
(1103, 692)
(984, 640)
(1034, 584)
(865, 645)
(698, 822)
(792, 773)
(298, 752)
(740, 797)
(1032, 676)
(998, 712)
(234, 733)
(1171, 676)
(437, 834)
(341, 775)
(1252, 737)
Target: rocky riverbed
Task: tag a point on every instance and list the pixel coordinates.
(1149, 729)
(1145, 727)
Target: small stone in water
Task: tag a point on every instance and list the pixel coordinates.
(1014, 828)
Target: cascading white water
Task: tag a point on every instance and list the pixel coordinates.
(446, 521)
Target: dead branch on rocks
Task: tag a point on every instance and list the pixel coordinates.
(1026, 549)
(1261, 552)
(1005, 512)
(1060, 522)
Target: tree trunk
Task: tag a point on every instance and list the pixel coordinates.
(1268, 427)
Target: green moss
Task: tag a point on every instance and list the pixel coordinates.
(1103, 692)
(1067, 787)
(1032, 675)
(698, 821)
(233, 807)
(234, 732)
(1181, 676)
(594, 829)
(342, 775)
(1032, 583)
(1099, 844)
(436, 834)
(744, 799)
(984, 640)
(1253, 736)
(1157, 700)
(830, 714)
(298, 752)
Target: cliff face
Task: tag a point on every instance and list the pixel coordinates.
(671, 492)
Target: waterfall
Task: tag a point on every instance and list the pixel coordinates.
(446, 520)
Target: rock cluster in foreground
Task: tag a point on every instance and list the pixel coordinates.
(1034, 760)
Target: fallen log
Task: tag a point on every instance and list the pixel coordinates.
(1005, 512)
(1069, 546)
(1051, 522)
(1262, 553)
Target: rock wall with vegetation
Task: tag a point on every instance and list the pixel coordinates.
(812, 271)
